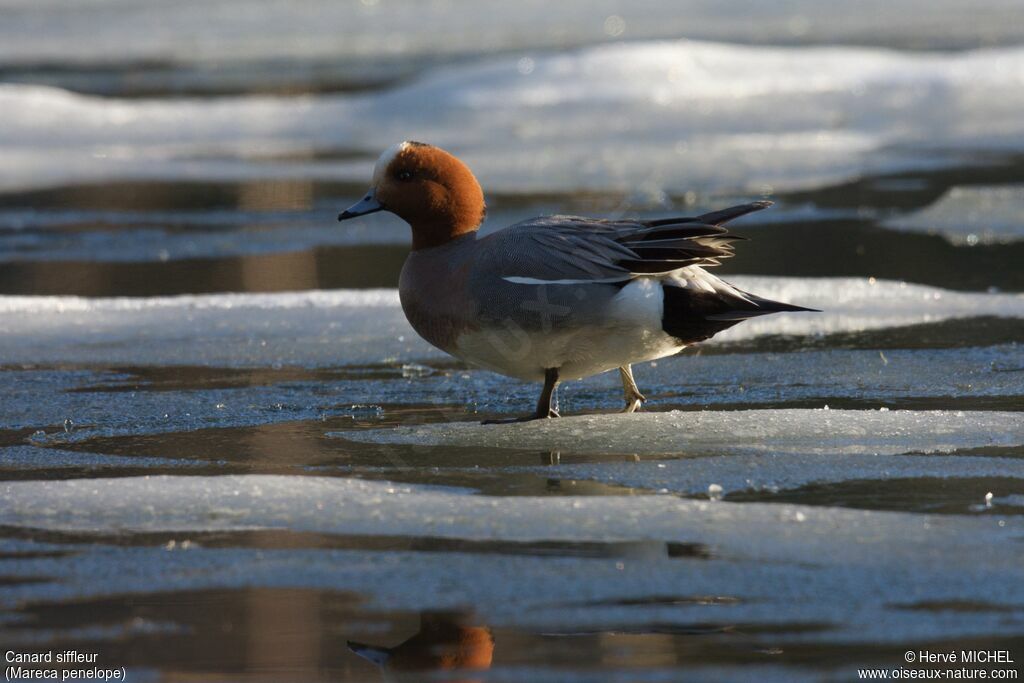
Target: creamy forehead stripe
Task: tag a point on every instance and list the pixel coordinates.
(386, 158)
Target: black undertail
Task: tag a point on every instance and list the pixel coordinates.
(693, 316)
(691, 312)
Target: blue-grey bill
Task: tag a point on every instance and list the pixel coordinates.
(367, 204)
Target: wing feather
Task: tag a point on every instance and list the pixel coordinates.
(570, 248)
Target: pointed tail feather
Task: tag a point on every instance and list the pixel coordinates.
(770, 306)
(725, 215)
(700, 311)
(764, 307)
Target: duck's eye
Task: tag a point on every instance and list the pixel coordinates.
(404, 175)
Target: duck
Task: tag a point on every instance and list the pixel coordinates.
(553, 298)
(445, 641)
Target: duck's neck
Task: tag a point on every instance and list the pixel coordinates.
(427, 234)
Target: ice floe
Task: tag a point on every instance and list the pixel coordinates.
(810, 596)
(800, 431)
(117, 403)
(126, 33)
(367, 326)
(35, 458)
(848, 575)
(356, 507)
(43, 234)
(971, 215)
(671, 117)
(769, 473)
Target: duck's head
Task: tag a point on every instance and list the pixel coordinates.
(427, 187)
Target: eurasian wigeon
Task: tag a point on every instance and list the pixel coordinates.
(556, 297)
(443, 643)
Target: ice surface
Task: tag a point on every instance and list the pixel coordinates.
(971, 215)
(118, 403)
(348, 326)
(773, 472)
(853, 304)
(639, 123)
(853, 600)
(801, 431)
(368, 326)
(134, 236)
(352, 506)
(670, 117)
(890, 377)
(1011, 501)
(35, 458)
(98, 404)
(225, 32)
(855, 572)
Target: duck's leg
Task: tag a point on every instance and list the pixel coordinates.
(547, 405)
(633, 396)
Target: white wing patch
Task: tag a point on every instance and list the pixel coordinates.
(516, 280)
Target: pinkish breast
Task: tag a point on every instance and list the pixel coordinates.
(434, 295)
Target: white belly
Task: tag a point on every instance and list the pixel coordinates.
(630, 333)
(577, 354)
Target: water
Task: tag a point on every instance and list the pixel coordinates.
(224, 454)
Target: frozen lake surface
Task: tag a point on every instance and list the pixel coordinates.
(224, 453)
(972, 215)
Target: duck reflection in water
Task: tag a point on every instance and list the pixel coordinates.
(445, 641)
